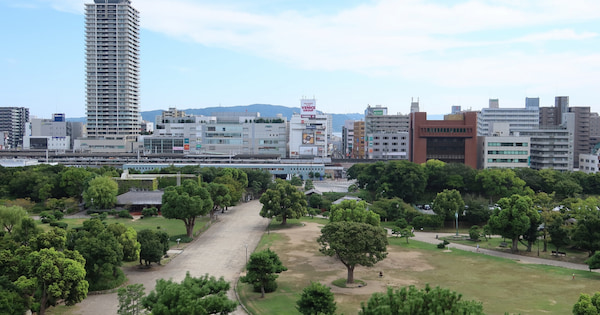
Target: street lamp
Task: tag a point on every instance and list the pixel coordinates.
(456, 216)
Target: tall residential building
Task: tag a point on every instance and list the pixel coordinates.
(12, 126)
(347, 138)
(112, 70)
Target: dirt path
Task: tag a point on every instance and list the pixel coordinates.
(219, 251)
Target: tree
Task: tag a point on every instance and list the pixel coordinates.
(499, 183)
(559, 234)
(545, 205)
(74, 180)
(283, 202)
(594, 261)
(513, 217)
(587, 305)
(101, 193)
(586, 234)
(153, 246)
(219, 194)
(296, 181)
(57, 276)
(130, 299)
(354, 244)
(236, 180)
(185, 203)
(353, 211)
(262, 269)
(407, 233)
(11, 217)
(474, 232)
(127, 237)
(316, 299)
(448, 203)
(412, 301)
(193, 296)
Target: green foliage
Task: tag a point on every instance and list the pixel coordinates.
(448, 203)
(500, 183)
(74, 181)
(476, 209)
(354, 244)
(185, 203)
(127, 237)
(126, 185)
(220, 195)
(10, 217)
(262, 268)
(153, 246)
(283, 202)
(353, 211)
(594, 261)
(55, 238)
(407, 233)
(513, 218)
(296, 181)
(124, 214)
(393, 209)
(559, 234)
(193, 296)
(412, 301)
(130, 299)
(149, 212)
(316, 299)
(101, 193)
(586, 233)
(587, 305)
(441, 245)
(308, 184)
(427, 221)
(474, 232)
(57, 276)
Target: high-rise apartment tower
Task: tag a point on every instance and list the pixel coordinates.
(112, 70)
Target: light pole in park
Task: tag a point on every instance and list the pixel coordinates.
(456, 216)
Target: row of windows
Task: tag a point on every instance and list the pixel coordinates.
(507, 152)
(447, 130)
(386, 138)
(507, 160)
(507, 144)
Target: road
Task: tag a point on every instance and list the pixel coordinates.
(221, 251)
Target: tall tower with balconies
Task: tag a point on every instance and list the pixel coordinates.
(112, 70)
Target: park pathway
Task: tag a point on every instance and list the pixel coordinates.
(429, 237)
(221, 251)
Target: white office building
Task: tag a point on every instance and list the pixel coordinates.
(309, 132)
(518, 118)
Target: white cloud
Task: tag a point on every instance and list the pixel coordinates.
(432, 41)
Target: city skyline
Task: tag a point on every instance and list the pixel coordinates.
(347, 54)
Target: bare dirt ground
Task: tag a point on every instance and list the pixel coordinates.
(328, 269)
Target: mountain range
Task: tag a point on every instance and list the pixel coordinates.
(265, 110)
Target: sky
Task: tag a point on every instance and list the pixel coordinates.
(347, 54)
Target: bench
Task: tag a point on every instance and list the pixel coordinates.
(557, 253)
(503, 244)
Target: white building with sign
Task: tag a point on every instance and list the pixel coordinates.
(309, 132)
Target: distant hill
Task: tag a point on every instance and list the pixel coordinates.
(265, 110)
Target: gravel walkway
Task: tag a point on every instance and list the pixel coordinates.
(429, 237)
(220, 251)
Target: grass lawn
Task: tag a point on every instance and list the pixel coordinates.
(503, 285)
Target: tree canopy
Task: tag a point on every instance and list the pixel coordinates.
(193, 296)
(186, 202)
(513, 217)
(413, 301)
(101, 193)
(262, 269)
(353, 211)
(354, 244)
(316, 299)
(448, 203)
(283, 202)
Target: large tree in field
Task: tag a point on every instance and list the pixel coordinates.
(263, 268)
(153, 246)
(186, 202)
(193, 296)
(448, 203)
(513, 217)
(413, 301)
(353, 211)
(586, 233)
(101, 193)
(56, 276)
(283, 202)
(354, 244)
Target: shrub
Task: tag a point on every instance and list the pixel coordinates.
(62, 225)
(474, 233)
(59, 215)
(269, 287)
(441, 245)
(124, 214)
(149, 212)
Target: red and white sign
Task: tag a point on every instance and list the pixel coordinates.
(309, 108)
